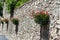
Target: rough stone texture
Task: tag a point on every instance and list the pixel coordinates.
(28, 29)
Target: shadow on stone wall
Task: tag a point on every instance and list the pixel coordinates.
(11, 15)
(16, 29)
(7, 25)
(44, 32)
(1, 14)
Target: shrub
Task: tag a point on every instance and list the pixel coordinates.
(41, 17)
(15, 21)
(20, 2)
(12, 4)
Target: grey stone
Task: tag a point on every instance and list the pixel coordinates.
(57, 26)
(28, 29)
(58, 22)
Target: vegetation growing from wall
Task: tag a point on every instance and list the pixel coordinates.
(13, 4)
(1, 8)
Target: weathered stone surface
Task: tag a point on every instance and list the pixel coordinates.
(57, 26)
(28, 29)
(59, 33)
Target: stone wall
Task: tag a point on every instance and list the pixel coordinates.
(28, 29)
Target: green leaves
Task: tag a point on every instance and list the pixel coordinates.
(15, 21)
(42, 19)
(12, 4)
(19, 3)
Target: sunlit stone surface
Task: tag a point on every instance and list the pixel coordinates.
(28, 29)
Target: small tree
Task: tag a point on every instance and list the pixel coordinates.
(15, 22)
(42, 17)
(13, 4)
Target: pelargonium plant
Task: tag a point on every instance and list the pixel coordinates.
(41, 17)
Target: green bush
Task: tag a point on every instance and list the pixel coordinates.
(42, 17)
(15, 21)
(14, 3)
(10, 5)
